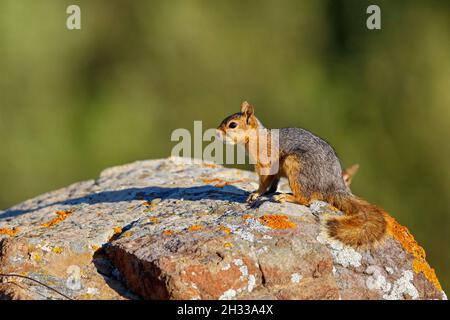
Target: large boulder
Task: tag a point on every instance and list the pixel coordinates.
(173, 229)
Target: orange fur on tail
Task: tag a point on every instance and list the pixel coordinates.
(363, 224)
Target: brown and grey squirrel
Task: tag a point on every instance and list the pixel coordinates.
(314, 172)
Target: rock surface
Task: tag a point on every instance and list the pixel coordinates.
(173, 229)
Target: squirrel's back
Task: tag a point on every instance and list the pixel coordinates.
(321, 168)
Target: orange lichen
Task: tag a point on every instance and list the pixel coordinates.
(195, 227)
(61, 215)
(167, 233)
(117, 231)
(428, 272)
(220, 182)
(225, 229)
(406, 239)
(210, 165)
(247, 216)
(211, 180)
(153, 219)
(275, 221)
(225, 183)
(9, 232)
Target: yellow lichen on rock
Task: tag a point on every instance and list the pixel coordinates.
(153, 219)
(128, 234)
(406, 239)
(57, 250)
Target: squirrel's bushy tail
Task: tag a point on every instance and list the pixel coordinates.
(363, 224)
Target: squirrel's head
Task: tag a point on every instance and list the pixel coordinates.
(236, 129)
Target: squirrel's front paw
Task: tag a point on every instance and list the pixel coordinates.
(253, 197)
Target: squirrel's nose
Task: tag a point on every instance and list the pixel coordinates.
(218, 133)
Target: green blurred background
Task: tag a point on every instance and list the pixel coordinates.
(75, 102)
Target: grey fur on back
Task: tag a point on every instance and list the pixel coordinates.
(321, 168)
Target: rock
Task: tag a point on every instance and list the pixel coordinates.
(172, 229)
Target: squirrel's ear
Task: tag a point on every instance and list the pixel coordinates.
(349, 173)
(247, 109)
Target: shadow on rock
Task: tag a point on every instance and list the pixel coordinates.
(227, 193)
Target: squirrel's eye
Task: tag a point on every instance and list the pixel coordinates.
(232, 125)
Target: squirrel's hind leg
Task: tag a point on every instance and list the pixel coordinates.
(296, 197)
(293, 198)
(291, 167)
(284, 197)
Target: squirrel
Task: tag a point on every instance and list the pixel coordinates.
(314, 173)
